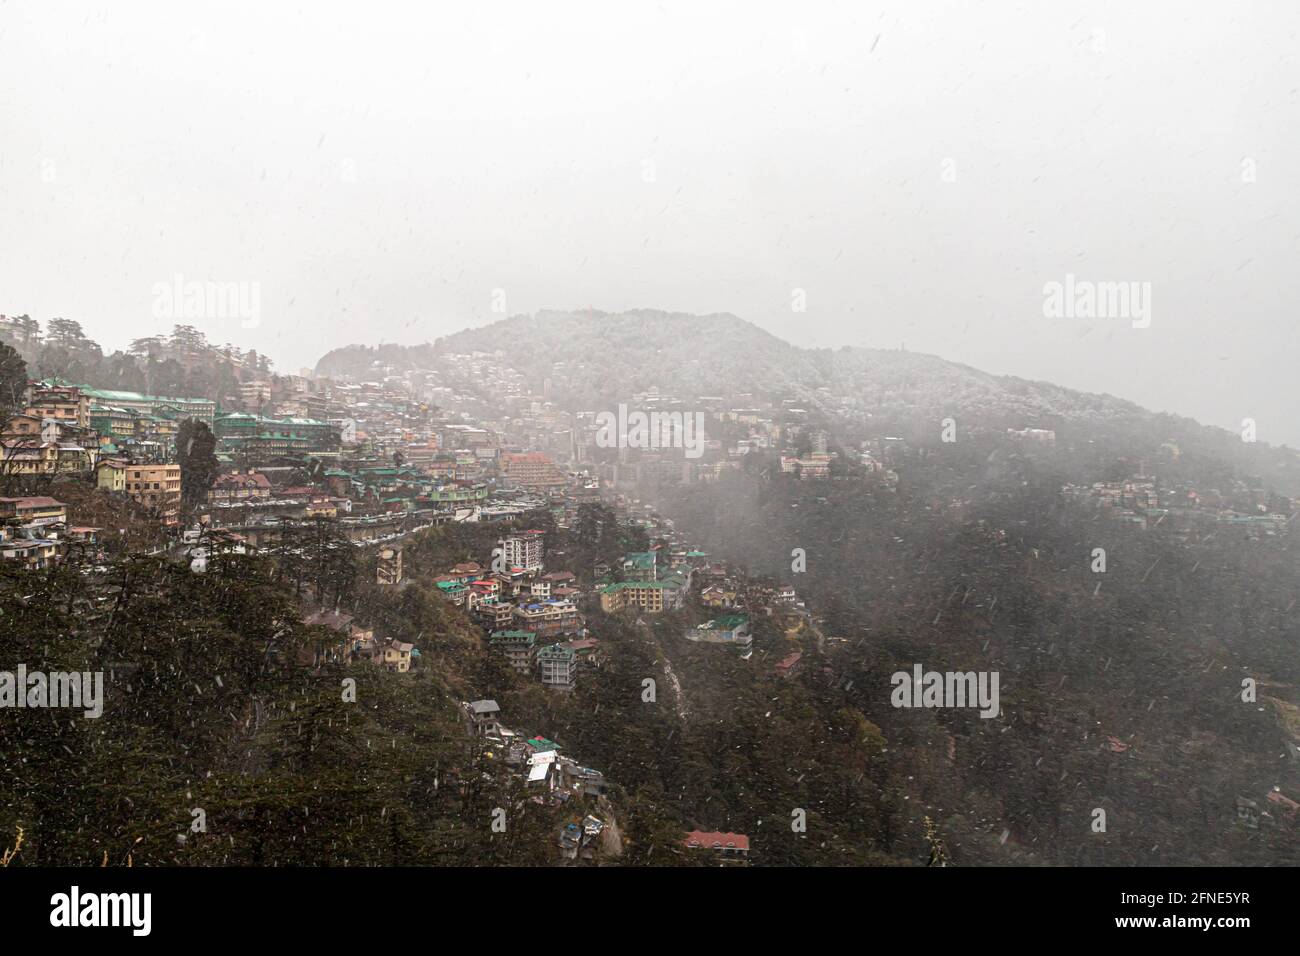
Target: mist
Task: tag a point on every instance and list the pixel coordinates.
(870, 175)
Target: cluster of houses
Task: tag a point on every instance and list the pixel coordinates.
(645, 585)
(735, 597)
(65, 429)
(556, 779)
(531, 616)
(61, 433)
(1145, 501)
(34, 531)
(353, 643)
(549, 776)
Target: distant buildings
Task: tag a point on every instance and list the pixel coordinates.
(1043, 435)
(177, 409)
(264, 437)
(814, 466)
(532, 471)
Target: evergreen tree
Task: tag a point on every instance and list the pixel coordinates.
(196, 454)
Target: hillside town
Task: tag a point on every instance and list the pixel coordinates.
(379, 462)
(372, 464)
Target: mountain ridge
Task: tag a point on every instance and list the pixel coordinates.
(597, 358)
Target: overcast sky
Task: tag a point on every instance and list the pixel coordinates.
(385, 172)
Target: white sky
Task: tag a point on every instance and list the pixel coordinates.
(379, 169)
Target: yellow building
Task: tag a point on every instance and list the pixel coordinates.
(397, 656)
(23, 426)
(33, 554)
(157, 487)
(33, 509)
(111, 474)
(25, 457)
(65, 404)
(321, 508)
(647, 595)
(75, 458)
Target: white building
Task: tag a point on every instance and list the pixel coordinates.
(559, 666)
(524, 550)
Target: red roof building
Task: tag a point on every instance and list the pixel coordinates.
(789, 664)
(728, 845)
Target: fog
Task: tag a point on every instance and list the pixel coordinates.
(846, 174)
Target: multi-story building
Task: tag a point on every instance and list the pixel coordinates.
(74, 458)
(640, 566)
(238, 487)
(39, 509)
(653, 597)
(179, 409)
(66, 404)
(319, 435)
(558, 666)
(397, 656)
(519, 648)
(110, 474)
(158, 429)
(547, 618)
(496, 615)
(814, 466)
(525, 550)
(255, 394)
(537, 589)
(157, 487)
(23, 456)
(346, 428)
(532, 471)
(275, 436)
(230, 429)
(112, 421)
(485, 716)
(24, 426)
(34, 553)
